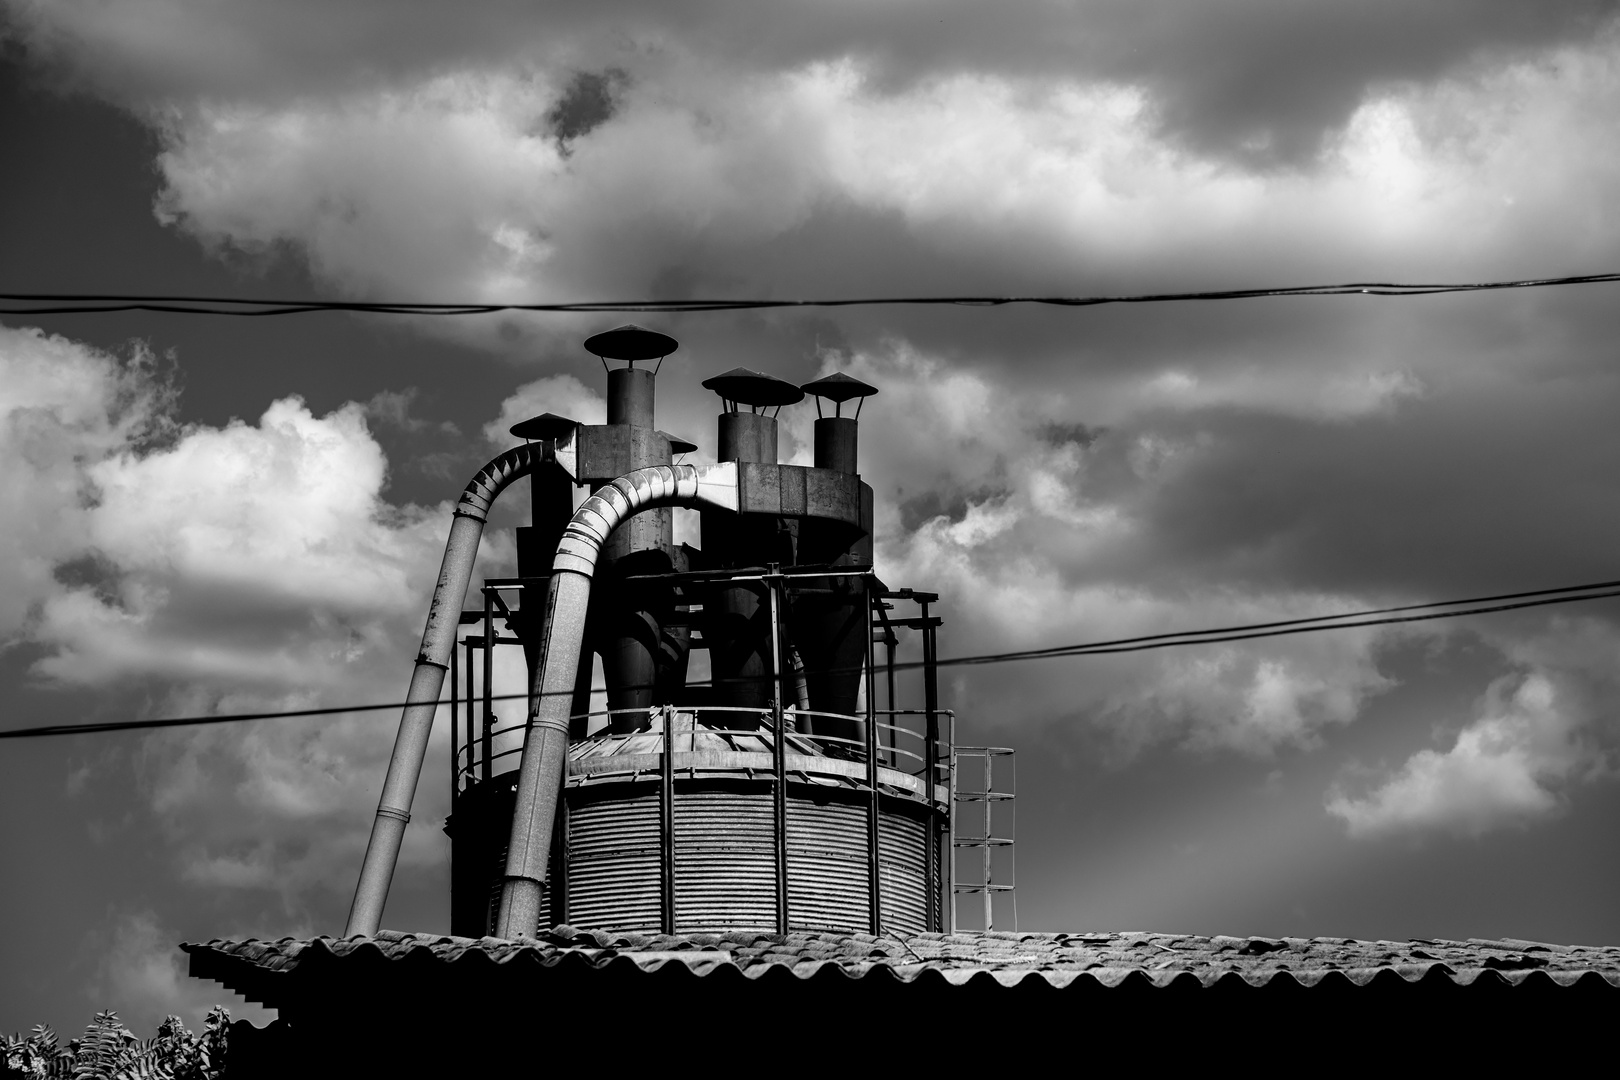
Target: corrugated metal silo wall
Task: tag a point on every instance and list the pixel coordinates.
(725, 873)
(725, 862)
(725, 869)
(613, 875)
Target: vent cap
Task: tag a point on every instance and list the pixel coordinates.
(839, 388)
(740, 386)
(544, 427)
(631, 342)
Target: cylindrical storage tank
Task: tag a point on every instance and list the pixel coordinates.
(724, 858)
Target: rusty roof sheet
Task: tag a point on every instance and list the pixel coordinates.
(1007, 958)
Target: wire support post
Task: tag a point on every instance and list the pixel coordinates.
(995, 876)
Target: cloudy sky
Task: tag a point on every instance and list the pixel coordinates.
(217, 515)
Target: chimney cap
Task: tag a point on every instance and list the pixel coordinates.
(678, 445)
(631, 342)
(545, 426)
(754, 388)
(839, 387)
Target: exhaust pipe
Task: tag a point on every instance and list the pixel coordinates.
(432, 661)
(545, 739)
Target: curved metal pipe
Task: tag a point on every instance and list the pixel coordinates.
(545, 741)
(422, 701)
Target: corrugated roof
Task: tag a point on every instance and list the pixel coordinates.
(1109, 959)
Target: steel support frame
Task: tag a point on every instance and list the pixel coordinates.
(874, 856)
(666, 825)
(773, 581)
(489, 692)
(930, 704)
(455, 752)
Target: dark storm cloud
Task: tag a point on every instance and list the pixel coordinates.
(586, 104)
(1258, 80)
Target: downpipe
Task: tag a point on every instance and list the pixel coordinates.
(422, 700)
(545, 739)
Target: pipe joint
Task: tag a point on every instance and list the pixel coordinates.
(518, 879)
(402, 816)
(549, 722)
(492, 479)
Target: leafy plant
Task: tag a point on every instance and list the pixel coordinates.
(109, 1051)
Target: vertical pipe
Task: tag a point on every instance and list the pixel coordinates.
(773, 582)
(489, 678)
(666, 824)
(579, 714)
(427, 683)
(630, 615)
(874, 866)
(734, 614)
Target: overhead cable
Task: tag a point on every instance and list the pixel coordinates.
(1350, 620)
(101, 303)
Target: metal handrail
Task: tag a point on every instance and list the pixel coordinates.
(470, 759)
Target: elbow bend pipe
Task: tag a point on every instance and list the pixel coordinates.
(422, 700)
(545, 739)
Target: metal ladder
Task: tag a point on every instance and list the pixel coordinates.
(986, 839)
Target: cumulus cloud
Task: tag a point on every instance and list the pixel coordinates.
(255, 533)
(983, 176)
(1538, 734)
(1507, 768)
(1261, 79)
(63, 409)
(987, 497)
(563, 395)
(247, 567)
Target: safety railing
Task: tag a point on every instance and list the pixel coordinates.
(902, 747)
(880, 751)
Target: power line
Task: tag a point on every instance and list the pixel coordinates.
(251, 307)
(1349, 620)
(1532, 598)
(199, 721)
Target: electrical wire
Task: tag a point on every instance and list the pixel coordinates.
(251, 307)
(1532, 598)
(1349, 620)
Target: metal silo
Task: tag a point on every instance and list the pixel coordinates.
(791, 790)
